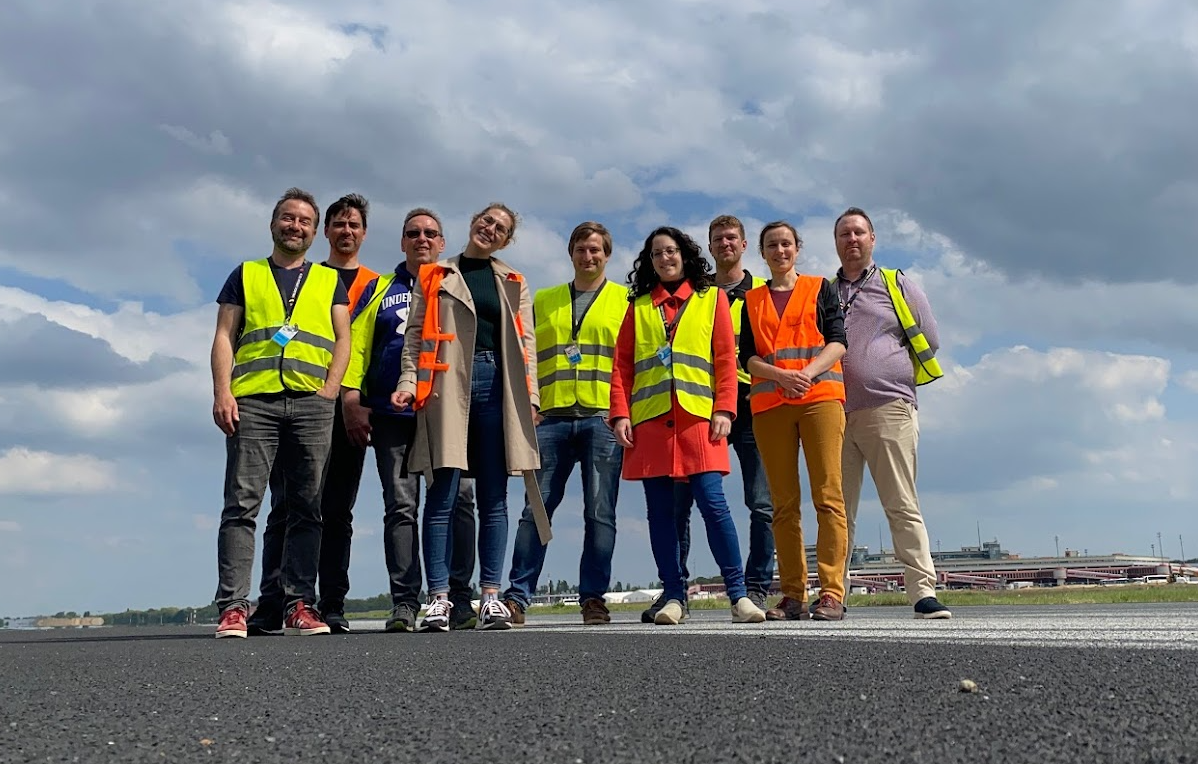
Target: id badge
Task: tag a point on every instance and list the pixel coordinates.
(665, 354)
(285, 334)
(573, 354)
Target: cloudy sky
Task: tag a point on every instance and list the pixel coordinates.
(1032, 164)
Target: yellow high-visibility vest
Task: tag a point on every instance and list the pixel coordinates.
(588, 383)
(923, 358)
(260, 365)
(691, 372)
(737, 305)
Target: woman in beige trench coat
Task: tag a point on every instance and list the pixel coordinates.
(469, 368)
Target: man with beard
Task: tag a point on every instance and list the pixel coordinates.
(892, 344)
(278, 355)
(345, 228)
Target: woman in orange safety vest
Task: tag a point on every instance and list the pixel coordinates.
(792, 339)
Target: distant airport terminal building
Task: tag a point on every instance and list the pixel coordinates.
(990, 566)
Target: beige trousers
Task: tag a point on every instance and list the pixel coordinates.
(886, 438)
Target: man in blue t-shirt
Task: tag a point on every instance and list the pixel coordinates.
(379, 320)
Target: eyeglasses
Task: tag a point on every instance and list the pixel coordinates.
(429, 233)
(666, 252)
(488, 221)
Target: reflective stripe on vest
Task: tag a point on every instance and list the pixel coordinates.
(790, 341)
(431, 335)
(261, 366)
(742, 376)
(691, 375)
(923, 359)
(589, 383)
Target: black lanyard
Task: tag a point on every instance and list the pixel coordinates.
(576, 325)
(672, 326)
(290, 306)
(846, 304)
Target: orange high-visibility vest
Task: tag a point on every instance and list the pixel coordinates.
(790, 341)
(361, 279)
(431, 335)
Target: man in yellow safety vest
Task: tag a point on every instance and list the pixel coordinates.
(278, 355)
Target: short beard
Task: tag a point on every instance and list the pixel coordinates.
(287, 246)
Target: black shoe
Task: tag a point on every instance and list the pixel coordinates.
(757, 598)
(462, 615)
(336, 621)
(931, 608)
(265, 622)
(403, 618)
(650, 613)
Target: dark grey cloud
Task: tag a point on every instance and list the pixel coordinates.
(37, 351)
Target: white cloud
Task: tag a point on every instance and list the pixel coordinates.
(37, 472)
(9, 526)
(216, 142)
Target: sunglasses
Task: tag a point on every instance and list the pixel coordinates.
(428, 233)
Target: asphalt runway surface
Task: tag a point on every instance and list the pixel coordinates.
(1054, 684)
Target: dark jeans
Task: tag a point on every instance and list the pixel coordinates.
(391, 436)
(488, 466)
(708, 491)
(392, 439)
(294, 433)
(339, 492)
(564, 442)
(759, 567)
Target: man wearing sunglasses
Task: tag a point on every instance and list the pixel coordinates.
(379, 319)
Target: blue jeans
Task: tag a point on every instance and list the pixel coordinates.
(488, 466)
(708, 491)
(564, 441)
(759, 568)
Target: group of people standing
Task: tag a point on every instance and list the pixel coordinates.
(452, 370)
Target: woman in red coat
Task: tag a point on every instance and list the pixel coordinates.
(673, 397)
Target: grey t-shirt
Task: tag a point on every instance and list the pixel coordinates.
(580, 303)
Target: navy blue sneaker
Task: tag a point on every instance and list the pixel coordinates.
(932, 608)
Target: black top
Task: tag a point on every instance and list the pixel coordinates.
(829, 319)
(480, 280)
(347, 275)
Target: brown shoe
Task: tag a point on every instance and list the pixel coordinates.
(787, 610)
(828, 609)
(594, 612)
(517, 612)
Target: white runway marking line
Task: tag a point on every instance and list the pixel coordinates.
(1111, 627)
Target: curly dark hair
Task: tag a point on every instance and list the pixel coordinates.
(695, 268)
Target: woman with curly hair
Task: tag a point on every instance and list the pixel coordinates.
(673, 397)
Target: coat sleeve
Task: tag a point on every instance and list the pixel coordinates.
(723, 342)
(529, 340)
(622, 369)
(413, 335)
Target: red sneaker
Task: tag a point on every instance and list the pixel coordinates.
(232, 623)
(303, 621)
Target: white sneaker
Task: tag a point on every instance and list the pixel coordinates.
(744, 611)
(671, 614)
(436, 618)
(493, 615)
